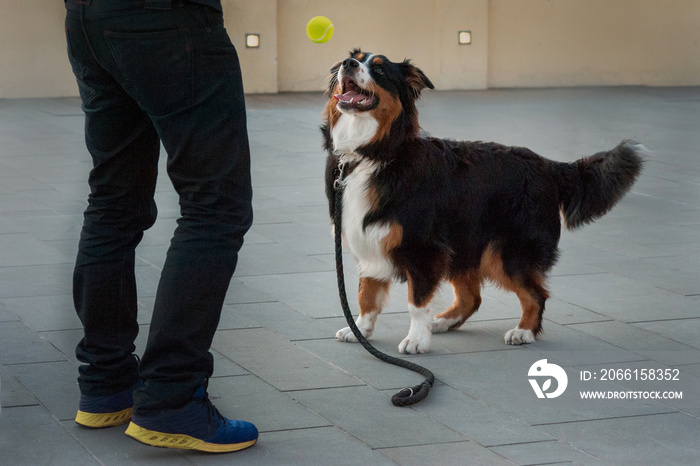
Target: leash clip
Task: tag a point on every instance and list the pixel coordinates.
(341, 175)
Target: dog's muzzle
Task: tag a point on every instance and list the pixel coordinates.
(352, 97)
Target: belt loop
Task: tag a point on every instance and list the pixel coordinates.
(158, 4)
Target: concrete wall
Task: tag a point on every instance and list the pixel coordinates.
(423, 30)
(33, 59)
(535, 43)
(516, 43)
(259, 66)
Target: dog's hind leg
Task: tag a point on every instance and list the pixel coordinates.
(372, 297)
(532, 299)
(530, 289)
(467, 292)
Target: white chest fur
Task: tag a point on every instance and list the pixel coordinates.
(364, 244)
(352, 131)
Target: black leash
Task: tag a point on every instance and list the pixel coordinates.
(407, 396)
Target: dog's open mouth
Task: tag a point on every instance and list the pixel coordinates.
(354, 97)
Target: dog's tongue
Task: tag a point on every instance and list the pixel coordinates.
(350, 96)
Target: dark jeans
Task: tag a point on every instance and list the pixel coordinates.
(148, 76)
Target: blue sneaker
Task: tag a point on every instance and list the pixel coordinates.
(196, 426)
(106, 411)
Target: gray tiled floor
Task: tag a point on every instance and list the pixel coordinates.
(625, 295)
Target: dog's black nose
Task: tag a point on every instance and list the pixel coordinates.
(351, 63)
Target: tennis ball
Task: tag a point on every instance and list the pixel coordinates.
(319, 29)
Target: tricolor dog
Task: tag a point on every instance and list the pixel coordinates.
(425, 210)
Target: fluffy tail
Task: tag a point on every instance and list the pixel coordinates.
(590, 187)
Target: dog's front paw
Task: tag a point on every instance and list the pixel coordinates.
(345, 334)
(415, 344)
(518, 336)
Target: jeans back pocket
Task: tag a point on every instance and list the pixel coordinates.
(156, 68)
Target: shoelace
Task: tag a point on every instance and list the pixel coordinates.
(212, 412)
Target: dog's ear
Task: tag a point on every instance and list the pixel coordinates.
(416, 79)
(333, 79)
(335, 68)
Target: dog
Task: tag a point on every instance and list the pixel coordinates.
(424, 210)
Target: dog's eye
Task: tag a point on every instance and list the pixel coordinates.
(378, 70)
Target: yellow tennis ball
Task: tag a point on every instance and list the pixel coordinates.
(319, 29)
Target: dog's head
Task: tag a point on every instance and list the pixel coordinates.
(369, 85)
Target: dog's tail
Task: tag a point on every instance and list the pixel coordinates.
(591, 186)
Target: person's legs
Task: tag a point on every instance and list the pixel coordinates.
(124, 147)
(179, 66)
(192, 90)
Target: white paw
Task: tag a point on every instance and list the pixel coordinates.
(409, 346)
(345, 334)
(439, 325)
(419, 333)
(416, 342)
(365, 323)
(519, 336)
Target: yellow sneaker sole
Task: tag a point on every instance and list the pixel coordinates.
(100, 420)
(181, 441)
